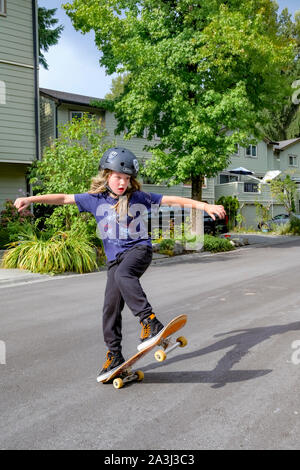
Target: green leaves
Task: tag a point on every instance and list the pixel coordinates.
(72, 160)
(284, 191)
(201, 75)
(69, 164)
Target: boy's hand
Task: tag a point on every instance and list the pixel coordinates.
(22, 203)
(213, 210)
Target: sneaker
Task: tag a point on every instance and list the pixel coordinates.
(113, 361)
(151, 327)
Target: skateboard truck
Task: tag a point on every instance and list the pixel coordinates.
(128, 376)
(168, 346)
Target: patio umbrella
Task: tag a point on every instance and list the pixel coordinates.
(241, 171)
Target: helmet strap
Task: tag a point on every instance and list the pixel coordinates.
(111, 191)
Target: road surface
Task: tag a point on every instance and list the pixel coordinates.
(235, 386)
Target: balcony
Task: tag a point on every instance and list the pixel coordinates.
(245, 191)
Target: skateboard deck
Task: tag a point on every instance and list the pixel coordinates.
(125, 374)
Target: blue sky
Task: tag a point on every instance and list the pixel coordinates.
(74, 61)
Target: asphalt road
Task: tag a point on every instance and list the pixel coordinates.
(235, 386)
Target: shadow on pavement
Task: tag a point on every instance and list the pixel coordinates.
(241, 343)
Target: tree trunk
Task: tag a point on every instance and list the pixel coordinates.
(197, 182)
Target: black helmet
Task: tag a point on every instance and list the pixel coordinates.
(120, 160)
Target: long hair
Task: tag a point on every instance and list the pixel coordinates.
(99, 185)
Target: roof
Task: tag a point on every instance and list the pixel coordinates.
(69, 97)
(283, 144)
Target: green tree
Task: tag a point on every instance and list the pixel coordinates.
(262, 213)
(284, 191)
(285, 123)
(117, 87)
(202, 74)
(69, 164)
(48, 35)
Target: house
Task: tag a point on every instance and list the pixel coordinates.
(59, 107)
(19, 96)
(265, 156)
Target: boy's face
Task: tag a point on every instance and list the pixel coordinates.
(118, 182)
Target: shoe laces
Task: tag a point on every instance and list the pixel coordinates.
(109, 358)
(147, 326)
(145, 331)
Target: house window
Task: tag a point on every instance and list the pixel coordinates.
(3, 7)
(79, 114)
(2, 93)
(227, 179)
(237, 150)
(293, 160)
(250, 187)
(251, 151)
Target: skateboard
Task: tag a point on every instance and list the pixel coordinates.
(125, 374)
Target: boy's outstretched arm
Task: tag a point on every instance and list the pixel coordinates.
(211, 209)
(57, 199)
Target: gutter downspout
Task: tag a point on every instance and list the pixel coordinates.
(36, 78)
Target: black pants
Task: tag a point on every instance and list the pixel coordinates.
(123, 286)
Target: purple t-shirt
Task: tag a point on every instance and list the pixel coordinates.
(120, 235)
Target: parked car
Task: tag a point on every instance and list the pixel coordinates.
(168, 216)
(277, 220)
(211, 227)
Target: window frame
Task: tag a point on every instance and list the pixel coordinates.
(295, 159)
(254, 187)
(251, 146)
(237, 150)
(231, 178)
(3, 5)
(79, 112)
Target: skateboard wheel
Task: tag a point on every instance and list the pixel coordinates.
(182, 340)
(140, 375)
(118, 383)
(160, 355)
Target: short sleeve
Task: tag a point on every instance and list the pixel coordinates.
(148, 199)
(84, 202)
(156, 198)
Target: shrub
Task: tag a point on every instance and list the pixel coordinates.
(69, 251)
(167, 247)
(4, 238)
(290, 228)
(215, 244)
(294, 226)
(10, 214)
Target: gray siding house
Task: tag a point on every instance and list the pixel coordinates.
(261, 158)
(19, 108)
